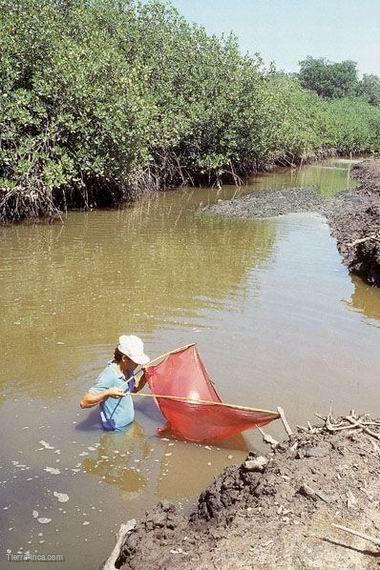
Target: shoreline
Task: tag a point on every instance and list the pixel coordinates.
(274, 510)
(353, 216)
(355, 224)
(237, 176)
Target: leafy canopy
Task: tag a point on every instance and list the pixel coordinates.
(103, 99)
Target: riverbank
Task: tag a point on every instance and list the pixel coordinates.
(354, 219)
(353, 216)
(278, 510)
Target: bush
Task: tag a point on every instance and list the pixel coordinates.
(103, 99)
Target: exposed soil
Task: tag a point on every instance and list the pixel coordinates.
(354, 216)
(268, 203)
(356, 223)
(278, 511)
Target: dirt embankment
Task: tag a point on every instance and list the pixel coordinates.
(354, 216)
(356, 223)
(278, 510)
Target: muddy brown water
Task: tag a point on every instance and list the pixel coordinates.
(276, 317)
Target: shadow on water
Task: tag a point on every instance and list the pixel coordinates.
(174, 467)
(147, 408)
(91, 422)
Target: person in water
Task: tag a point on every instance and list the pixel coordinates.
(114, 385)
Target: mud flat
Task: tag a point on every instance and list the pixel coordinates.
(268, 203)
(354, 216)
(277, 510)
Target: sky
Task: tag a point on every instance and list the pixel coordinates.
(286, 31)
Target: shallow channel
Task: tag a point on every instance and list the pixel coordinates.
(276, 316)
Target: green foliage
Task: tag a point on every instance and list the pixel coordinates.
(369, 89)
(354, 125)
(328, 79)
(338, 80)
(102, 99)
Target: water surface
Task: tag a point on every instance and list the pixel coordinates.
(276, 317)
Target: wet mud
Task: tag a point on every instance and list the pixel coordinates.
(355, 224)
(276, 510)
(268, 203)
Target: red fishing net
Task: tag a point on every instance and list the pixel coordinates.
(182, 374)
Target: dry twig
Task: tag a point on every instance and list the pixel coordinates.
(268, 438)
(354, 422)
(372, 539)
(363, 240)
(285, 421)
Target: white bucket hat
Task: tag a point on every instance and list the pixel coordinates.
(133, 347)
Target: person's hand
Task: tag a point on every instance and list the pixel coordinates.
(115, 393)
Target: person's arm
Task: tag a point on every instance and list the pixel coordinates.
(140, 383)
(89, 400)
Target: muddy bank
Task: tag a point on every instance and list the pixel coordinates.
(355, 223)
(268, 203)
(278, 510)
(354, 216)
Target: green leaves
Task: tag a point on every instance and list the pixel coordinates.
(329, 79)
(100, 99)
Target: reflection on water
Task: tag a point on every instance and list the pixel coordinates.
(365, 299)
(112, 462)
(332, 176)
(178, 476)
(268, 302)
(121, 460)
(139, 269)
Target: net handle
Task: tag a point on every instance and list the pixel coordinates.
(204, 402)
(150, 363)
(167, 354)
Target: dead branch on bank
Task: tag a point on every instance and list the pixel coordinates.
(124, 529)
(285, 423)
(349, 422)
(267, 438)
(372, 539)
(363, 240)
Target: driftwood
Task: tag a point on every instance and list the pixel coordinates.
(124, 529)
(308, 491)
(284, 421)
(363, 426)
(350, 422)
(268, 438)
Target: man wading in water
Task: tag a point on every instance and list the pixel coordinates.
(114, 384)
